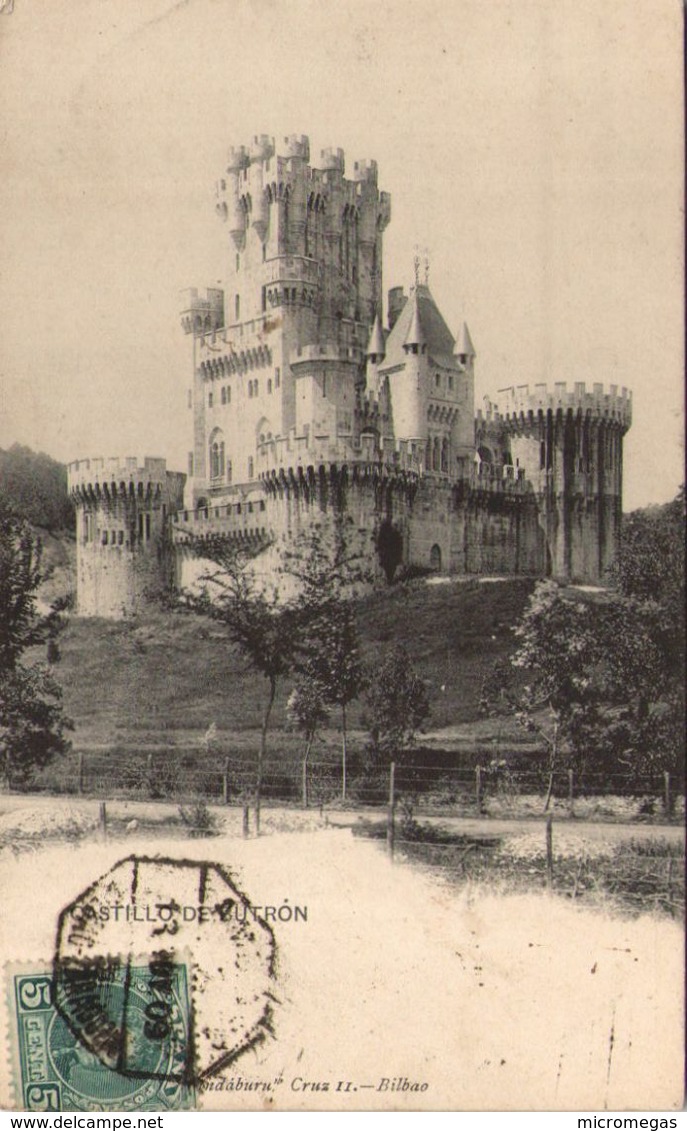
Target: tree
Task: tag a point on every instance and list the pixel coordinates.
(330, 571)
(32, 724)
(397, 705)
(256, 620)
(600, 678)
(307, 710)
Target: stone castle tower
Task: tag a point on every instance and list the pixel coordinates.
(305, 402)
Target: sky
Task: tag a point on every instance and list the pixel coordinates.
(534, 147)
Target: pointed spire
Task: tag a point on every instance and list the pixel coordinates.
(464, 346)
(376, 348)
(415, 335)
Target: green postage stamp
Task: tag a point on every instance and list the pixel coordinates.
(109, 1035)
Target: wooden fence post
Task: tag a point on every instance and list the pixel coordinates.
(571, 792)
(102, 820)
(246, 820)
(478, 788)
(81, 771)
(549, 850)
(666, 793)
(391, 818)
(225, 782)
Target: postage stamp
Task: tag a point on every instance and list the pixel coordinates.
(164, 909)
(131, 1050)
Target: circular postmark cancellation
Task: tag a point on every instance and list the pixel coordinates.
(161, 973)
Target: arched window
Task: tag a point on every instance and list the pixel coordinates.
(250, 467)
(436, 457)
(444, 454)
(216, 454)
(435, 557)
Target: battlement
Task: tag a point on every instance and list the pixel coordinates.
(261, 148)
(202, 312)
(296, 145)
(237, 158)
(332, 160)
(365, 170)
(328, 351)
(114, 475)
(518, 401)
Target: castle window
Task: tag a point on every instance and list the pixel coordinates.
(255, 383)
(224, 395)
(450, 381)
(228, 394)
(277, 378)
(250, 388)
(238, 260)
(103, 538)
(269, 384)
(437, 380)
(209, 400)
(264, 299)
(250, 467)
(237, 306)
(264, 252)
(444, 455)
(120, 537)
(147, 527)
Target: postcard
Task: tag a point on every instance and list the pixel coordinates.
(342, 641)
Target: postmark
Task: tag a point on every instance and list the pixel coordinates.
(183, 915)
(57, 1071)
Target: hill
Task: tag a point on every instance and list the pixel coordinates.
(36, 486)
(165, 678)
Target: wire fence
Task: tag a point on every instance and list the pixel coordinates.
(420, 787)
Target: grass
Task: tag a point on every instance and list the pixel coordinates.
(637, 876)
(164, 677)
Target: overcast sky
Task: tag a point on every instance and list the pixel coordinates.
(534, 146)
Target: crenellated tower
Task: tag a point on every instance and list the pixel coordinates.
(123, 549)
(570, 443)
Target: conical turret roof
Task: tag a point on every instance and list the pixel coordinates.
(420, 322)
(465, 345)
(414, 335)
(375, 346)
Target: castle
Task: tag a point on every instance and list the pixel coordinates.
(305, 404)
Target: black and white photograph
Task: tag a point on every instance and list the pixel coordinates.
(342, 596)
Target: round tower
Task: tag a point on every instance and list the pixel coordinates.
(570, 445)
(122, 508)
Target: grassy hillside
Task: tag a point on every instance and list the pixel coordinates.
(167, 677)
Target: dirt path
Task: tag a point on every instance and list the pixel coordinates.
(281, 817)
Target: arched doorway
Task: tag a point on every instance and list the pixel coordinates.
(435, 558)
(389, 549)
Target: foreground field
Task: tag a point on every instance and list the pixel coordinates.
(495, 1001)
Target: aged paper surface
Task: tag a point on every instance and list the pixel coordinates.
(534, 155)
